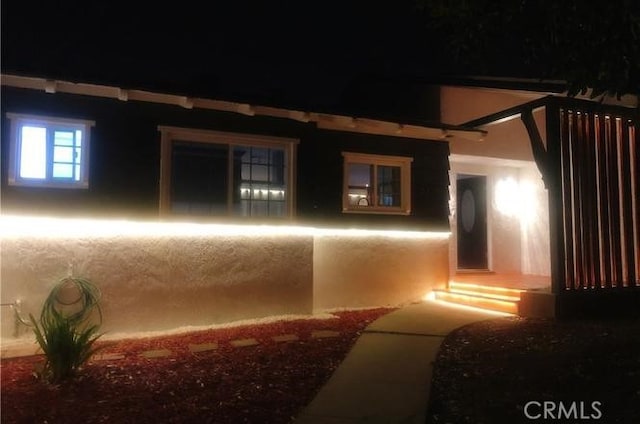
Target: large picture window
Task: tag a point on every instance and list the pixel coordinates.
(208, 173)
(376, 184)
(49, 152)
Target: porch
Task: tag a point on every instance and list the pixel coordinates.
(588, 161)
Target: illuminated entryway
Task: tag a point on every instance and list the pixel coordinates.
(500, 232)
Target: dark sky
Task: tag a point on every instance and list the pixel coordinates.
(296, 51)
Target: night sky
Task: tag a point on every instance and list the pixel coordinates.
(294, 52)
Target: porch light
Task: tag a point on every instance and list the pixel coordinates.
(515, 199)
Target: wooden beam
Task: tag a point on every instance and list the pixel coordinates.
(507, 114)
(537, 146)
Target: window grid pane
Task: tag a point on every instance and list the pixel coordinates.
(389, 186)
(199, 178)
(66, 154)
(360, 181)
(33, 152)
(262, 190)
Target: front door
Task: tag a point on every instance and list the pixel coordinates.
(471, 210)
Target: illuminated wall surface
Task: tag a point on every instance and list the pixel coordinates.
(518, 217)
(160, 276)
(377, 270)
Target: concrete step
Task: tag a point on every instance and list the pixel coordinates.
(493, 298)
(496, 292)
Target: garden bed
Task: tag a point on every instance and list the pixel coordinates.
(268, 382)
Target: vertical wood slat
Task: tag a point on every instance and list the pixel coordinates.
(586, 249)
(598, 163)
(627, 205)
(634, 139)
(577, 161)
(603, 204)
(593, 193)
(567, 200)
(614, 193)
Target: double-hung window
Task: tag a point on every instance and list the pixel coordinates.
(49, 152)
(376, 184)
(211, 173)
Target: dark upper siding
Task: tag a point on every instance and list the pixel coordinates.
(320, 169)
(125, 161)
(125, 150)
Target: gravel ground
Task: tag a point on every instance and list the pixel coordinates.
(500, 371)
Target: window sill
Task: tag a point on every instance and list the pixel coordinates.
(378, 211)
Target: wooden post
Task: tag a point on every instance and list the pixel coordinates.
(554, 188)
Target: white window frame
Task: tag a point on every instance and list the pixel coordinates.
(378, 160)
(15, 148)
(171, 134)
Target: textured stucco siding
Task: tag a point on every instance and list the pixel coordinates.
(377, 271)
(159, 283)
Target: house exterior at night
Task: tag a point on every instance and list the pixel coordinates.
(309, 211)
(191, 211)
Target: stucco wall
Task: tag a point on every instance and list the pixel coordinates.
(163, 276)
(377, 271)
(159, 283)
(536, 259)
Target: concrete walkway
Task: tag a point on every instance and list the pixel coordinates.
(386, 376)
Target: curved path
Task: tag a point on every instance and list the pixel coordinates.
(386, 376)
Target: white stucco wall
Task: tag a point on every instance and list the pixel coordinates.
(536, 259)
(161, 276)
(159, 283)
(377, 271)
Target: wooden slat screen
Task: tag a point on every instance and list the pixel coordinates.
(600, 180)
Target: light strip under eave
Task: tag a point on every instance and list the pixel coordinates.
(12, 226)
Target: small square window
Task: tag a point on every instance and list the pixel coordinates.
(49, 152)
(376, 184)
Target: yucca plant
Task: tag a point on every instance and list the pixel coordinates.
(68, 328)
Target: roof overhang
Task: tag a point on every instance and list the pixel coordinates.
(322, 120)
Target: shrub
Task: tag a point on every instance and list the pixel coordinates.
(68, 327)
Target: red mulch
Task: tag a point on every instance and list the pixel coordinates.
(267, 383)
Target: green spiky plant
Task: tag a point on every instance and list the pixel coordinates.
(67, 330)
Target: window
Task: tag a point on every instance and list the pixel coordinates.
(376, 184)
(49, 152)
(210, 173)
